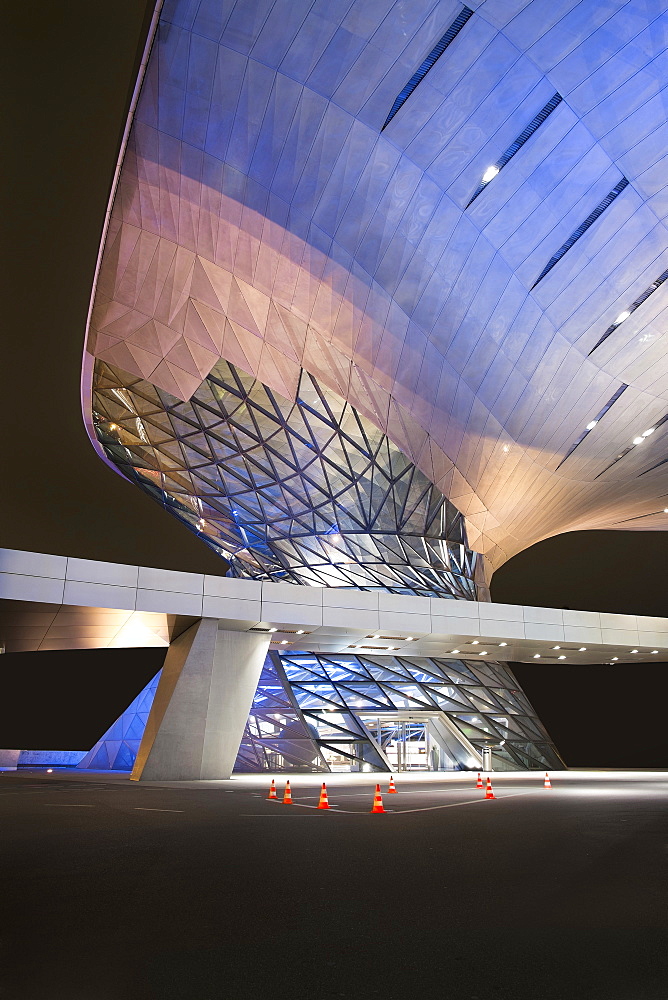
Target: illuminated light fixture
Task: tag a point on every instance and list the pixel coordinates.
(665, 510)
(590, 426)
(634, 650)
(503, 644)
(454, 650)
(650, 430)
(622, 316)
(506, 448)
(300, 631)
(556, 647)
(615, 658)
(638, 440)
(483, 652)
(273, 630)
(562, 657)
(582, 649)
(284, 642)
(475, 642)
(536, 656)
(409, 638)
(490, 174)
(654, 651)
(376, 636)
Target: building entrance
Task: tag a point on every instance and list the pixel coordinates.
(405, 740)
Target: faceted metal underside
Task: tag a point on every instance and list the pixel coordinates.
(309, 707)
(306, 491)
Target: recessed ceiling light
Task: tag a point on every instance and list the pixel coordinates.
(284, 642)
(665, 510)
(503, 644)
(536, 656)
(273, 630)
(490, 174)
(483, 652)
(376, 636)
(409, 638)
(634, 650)
(582, 649)
(556, 647)
(590, 426)
(454, 650)
(638, 440)
(300, 631)
(650, 430)
(475, 642)
(622, 316)
(655, 651)
(615, 657)
(562, 657)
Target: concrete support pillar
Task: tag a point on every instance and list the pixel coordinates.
(202, 703)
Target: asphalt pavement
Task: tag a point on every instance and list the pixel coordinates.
(113, 889)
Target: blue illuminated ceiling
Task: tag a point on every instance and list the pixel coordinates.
(453, 217)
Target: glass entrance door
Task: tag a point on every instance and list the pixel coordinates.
(405, 742)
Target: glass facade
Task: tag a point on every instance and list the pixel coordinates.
(309, 491)
(317, 712)
(306, 490)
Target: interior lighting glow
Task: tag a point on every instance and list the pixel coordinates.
(638, 440)
(475, 642)
(300, 631)
(582, 649)
(483, 652)
(654, 651)
(562, 657)
(615, 657)
(284, 642)
(590, 426)
(503, 644)
(273, 630)
(650, 430)
(556, 647)
(490, 174)
(454, 650)
(634, 650)
(536, 656)
(622, 316)
(506, 448)
(409, 638)
(376, 636)
(665, 510)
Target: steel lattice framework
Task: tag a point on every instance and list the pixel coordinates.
(304, 490)
(307, 705)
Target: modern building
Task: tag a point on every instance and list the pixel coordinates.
(381, 302)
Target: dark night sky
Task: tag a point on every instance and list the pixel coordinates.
(69, 72)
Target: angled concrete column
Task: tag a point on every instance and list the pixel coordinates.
(202, 703)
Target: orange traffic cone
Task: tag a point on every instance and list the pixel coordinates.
(489, 794)
(479, 783)
(272, 790)
(377, 802)
(547, 783)
(324, 801)
(287, 795)
(392, 786)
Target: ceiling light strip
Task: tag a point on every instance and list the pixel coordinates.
(631, 309)
(592, 423)
(517, 143)
(424, 68)
(635, 444)
(582, 229)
